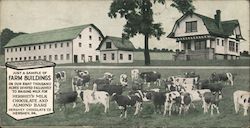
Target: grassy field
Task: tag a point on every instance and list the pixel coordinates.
(147, 118)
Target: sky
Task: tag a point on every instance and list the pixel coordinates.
(41, 15)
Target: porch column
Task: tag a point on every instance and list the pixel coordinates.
(208, 43)
(179, 43)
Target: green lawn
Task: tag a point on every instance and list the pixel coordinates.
(96, 117)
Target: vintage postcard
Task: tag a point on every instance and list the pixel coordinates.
(124, 63)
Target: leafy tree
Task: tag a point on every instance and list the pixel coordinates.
(6, 36)
(183, 6)
(139, 16)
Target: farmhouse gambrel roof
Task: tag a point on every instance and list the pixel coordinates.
(120, 44)
(225, 31)
(63, 34)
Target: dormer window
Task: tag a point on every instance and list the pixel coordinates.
(191, 26)
(80, 36)
(90, 29)
(108, 45)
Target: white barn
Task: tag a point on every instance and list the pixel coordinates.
(116, 50)
(67, 45)
(202, 37)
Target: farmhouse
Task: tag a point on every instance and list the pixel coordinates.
(202, 37)
(116, 50)
(66, 45)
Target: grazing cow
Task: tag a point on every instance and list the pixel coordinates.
(135, 74)
(241, 98)
(197, 95)
(226, 77)
(125, 101)
(211, 99)
(61, 76)
(186, 101)
(158, 99)
(152, 76)
(64, 98)
(214, 87)
(172, 98)
(124, 79)
(192, 75)
(179, 80)
(100, 97)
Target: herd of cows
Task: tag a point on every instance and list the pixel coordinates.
(179, 93)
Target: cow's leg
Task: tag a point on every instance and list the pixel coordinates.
(160, 109)
(155, 110)
(165, 108)
(212, 109)
(86, 107)
(74, 104)
(170, 109)
(180, 109)
(245, 107)
(125, 112)
(217, 108)
(136, 108)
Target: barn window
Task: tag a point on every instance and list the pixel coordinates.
(7, 50)
(222, 42)
(20, 58)
(80, 44)
(50, 45)
(67, 44)
(24, 48)
(61, 57)
(104, 57)
(15, 49)
(39, 57)
(67, 57)
(29, 48)
(25, 58)
(20, 49)
(34, 47)
(11, 59)
(44, 46)
(90, 37)
(90, 29)
(50, 57)
(108, 45)
(45, 57)
(55, 45)
(129, 57)
(80, 36)
(191, 26)
(39, 47)
(34, 58)
(121, 56)
(113, 56)
(61, 45)
(56, 57)
(90, 45)
(97, 58)
(29, 57)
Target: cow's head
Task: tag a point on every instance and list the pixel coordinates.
(109, 76)
(124, 80)
(113, 97)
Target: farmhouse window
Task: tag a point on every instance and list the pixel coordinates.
(90, 29)
(44, 46)
(113, 56)
(7, 59)
(11, 59)
(108, 45)
(24, 48)
(34, 47)
(50, 45)
(56, 57)
(20, 58)
(7, 50)
(45, 57)
(61, 45)
(104, 57)
(15, 49)
(90, 58)
(191, 26)
(67, 44)
(90, 45)
(90, 37)
(129, 57)
(29, 57)
(80, 44)
(200, 45)
(97, 58)
(61, 57)
(29, 48)
(80, 36)
(11, 50)
(218, 41)
(222, 42)
(39, 57)
(231, 46)
(83, 57)
(237, 47)
(50, 57)
(55, 45)
(15, 58)
(67, 57)
(121, 56)
(20, 49)
(25, 58)
(34, 58)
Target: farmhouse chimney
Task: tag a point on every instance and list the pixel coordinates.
(217, 18)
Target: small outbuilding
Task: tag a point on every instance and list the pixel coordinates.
(116, 50)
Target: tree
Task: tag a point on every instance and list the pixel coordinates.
(183, 6)
(139, 16)
(6, 36)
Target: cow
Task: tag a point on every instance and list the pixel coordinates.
(179, 80)
(60, 76)
(192, 75)
(57, 86)
(151, 76)
(109, 76)
(110, 89)
(135, 74)
(186, 101)
(106, 79)
(124, 79)
(197, 96)
(172, 98)
(211, 99)
(81, 79)
(158, 99)
(241, 98)
(63, 98)
(169, 86)
(225, 77)
(124, 101)
(214, 87)
(100, 97)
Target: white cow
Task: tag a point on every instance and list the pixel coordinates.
(241, 98)
(135, 74)
(124, 79)
(100, 97)
(197, 96)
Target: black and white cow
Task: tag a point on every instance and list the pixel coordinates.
(124, 102)
(172, 98)
(211, 100)
(225, 77)
(186, 100)
(135, 74)
(106, 79)
(151, 76)
(60, 76)
(81, 79)
(111, 89)
(241, 98)
(214, 87)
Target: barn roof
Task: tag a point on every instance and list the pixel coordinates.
(210, 23)
(121, 44)
(63, 34)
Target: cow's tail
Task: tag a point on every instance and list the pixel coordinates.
(73, 86)
(236, 102)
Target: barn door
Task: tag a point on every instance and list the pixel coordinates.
(75, 59)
